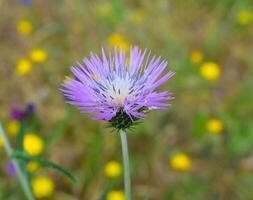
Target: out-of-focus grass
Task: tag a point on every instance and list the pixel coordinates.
(222, 163)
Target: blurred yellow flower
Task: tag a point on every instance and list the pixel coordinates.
(33, 144)
(43, 186)
(215, 126)
(23, 67)
(32, 166)
(1, 142)
(115, 195)
(113, 169)
(244, 17)
(181, 162)
(24, 27)
(104, 9)
(210, 71)
(196, 57)
(77, 27)
(38, 55)
(137, 17)
(13, 127)
(118, 40)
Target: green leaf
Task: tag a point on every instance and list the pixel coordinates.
(20, 137)
(20, 147)
(199, 124)
(43, 162)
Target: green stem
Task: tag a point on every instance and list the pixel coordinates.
(127, 180)
(22, 178)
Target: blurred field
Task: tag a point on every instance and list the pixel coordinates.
(199, 148)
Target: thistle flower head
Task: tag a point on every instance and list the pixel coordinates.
(117, 88)
(22, 114)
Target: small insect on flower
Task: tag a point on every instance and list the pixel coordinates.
(118, 91)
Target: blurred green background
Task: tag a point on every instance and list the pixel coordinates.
(199, 148)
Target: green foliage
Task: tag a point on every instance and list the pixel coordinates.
(43, 162)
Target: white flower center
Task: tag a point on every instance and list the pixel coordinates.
(119, 89)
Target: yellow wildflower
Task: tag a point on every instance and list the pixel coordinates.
(113, 169)
(1, 141)
(23, 67)
(77, 27)
(137, 17)
(181, 162)
(38, 55)
(13, 127)
(24, 27)
(33, 144)
(244, 17)
(215, 126)
(210, 71)
(115, 195)
(32, 166)
(43, 186)
(196, 57)
(118, 40)
(104, 9)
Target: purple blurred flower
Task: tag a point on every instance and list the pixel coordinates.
(11, 169)
(19, 114)
(16, 114)
(115, 87)
(30, 109)
(25, 2)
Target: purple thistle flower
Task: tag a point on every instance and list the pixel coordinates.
(25, 2)
(16, 113)
(11, 169)
(117, 89)
(30, 109)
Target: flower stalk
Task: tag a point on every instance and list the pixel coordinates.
(127, 180)
(21, 176)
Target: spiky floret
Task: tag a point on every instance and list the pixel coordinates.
(116, 88)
